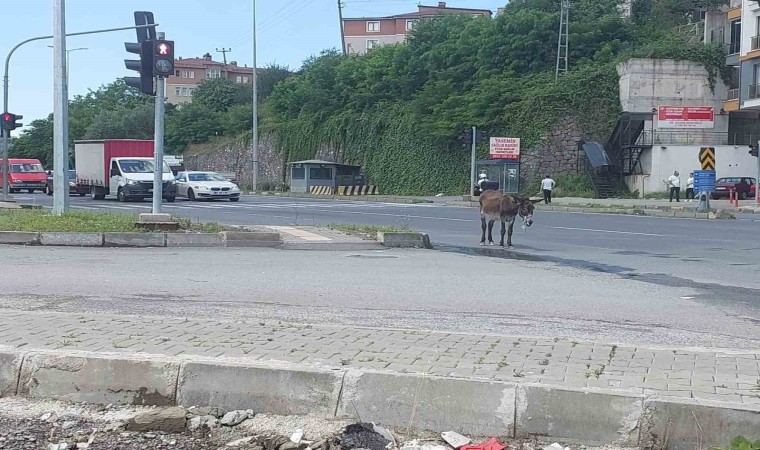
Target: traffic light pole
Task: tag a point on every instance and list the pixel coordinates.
(60, 112)
(5, 138)
(158, 143)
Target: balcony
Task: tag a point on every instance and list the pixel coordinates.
(732, 94)
(733, 48)
(754, 91)
(755, 43)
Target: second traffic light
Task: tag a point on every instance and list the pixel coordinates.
(163, 58)
(144, 66)
(8, 121)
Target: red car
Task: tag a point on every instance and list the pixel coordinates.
(744, 186)
(25, 174)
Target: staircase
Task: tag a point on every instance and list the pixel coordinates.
(605, 184)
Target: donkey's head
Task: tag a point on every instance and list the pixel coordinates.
(526, 208)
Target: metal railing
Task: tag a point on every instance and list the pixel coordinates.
(755, 43)
(733, 48)
(754, 91)
(732, 94)
(695, 137)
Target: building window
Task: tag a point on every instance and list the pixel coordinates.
(191, 92)
(245, 80)
(372, 43)
(373, 27)
(239, 79)
(177, 91)
(192, 74)
(214, 73)
(734, 44)
(176, 73)
(411, 24)
(299, 173)
(185, 92)
(320, 173)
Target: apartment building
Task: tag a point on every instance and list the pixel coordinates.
(190, 72)
(365, 33)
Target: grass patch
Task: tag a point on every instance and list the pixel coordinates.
(368, 228)
(87, 222)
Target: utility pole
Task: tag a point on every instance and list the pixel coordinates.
(255, 131)
(562, 42)
(224, 52)
(342, 31)
(158, 142)
(60, 112)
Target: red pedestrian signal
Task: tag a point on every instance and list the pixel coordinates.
(164, 49)
(9, 121)
(163, 58)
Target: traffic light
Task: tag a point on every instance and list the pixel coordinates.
(163, 58)
(482, 136)
(9, 121)
(144, 48)
(753, 150)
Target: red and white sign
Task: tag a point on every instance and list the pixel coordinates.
(685, 117)
(505, 148)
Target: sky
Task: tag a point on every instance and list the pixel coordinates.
(288, 32)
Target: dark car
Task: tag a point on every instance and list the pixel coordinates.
(74, 188)
(743, 186)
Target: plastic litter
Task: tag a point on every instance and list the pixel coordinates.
(491, 444)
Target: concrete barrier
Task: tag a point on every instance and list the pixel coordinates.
(404, 240)
(595, 418)
(194, 240)
(134, 239)
(10, 366)
(682, 424)
(19, 238)
(251, 239)
(430, 403)
(98, 379)
(269, 388)
(72, 239)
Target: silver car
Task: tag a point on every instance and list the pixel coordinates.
(206, 185)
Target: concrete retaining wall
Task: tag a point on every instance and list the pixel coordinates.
(404, 240)
(224, 239)
(470, 406)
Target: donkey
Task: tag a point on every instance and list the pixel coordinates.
(494, 205)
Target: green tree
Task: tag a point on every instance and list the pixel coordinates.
(35, 142)
(123, 123)
(220, 94)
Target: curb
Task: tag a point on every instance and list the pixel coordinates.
(648, 210)
(471, 406)
(404, 240)
(143, 240)
(365, 198)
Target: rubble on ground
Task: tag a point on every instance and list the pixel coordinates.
(50, 425)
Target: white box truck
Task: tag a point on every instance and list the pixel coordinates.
(120, 167)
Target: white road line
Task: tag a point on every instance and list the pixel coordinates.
(609, 231)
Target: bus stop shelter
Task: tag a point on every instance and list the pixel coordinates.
(504, 171)
(323, 176)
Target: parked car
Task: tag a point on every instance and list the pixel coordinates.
(74, 188)
(206, 185)
(744, 187)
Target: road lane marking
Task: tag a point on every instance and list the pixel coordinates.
(609, 231)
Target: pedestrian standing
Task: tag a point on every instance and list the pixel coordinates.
(690, 188)
(547, 184)
(675, 186)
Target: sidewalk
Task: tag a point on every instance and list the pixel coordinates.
(716, 375)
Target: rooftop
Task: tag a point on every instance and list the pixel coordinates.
(427, 11)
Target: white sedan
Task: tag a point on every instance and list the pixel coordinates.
(206, 185)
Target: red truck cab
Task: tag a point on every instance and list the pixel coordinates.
(25, 174)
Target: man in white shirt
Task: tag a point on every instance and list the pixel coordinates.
(675, 186)
(690, 188)
(547, 184)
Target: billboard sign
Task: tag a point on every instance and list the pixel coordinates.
(505, 148)
(688, 117)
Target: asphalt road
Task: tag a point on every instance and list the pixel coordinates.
(418, 289)
(721, 257)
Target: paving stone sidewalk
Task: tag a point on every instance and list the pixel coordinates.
(702, 375)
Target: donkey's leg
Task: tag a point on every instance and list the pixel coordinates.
(490, 231)
(503, 231)
(509, 232)
(483, 228)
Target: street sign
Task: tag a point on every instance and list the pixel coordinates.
(685, 117)
(704, 180)
(707, 158)
(504, 148)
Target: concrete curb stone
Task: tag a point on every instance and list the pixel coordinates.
(98, 379)
(272, 388)
(134, 239)
(72, 239)
(404, 240)
(10, 367)
(19, 238)
(251, 239)
(478, 407)
(194, 240)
